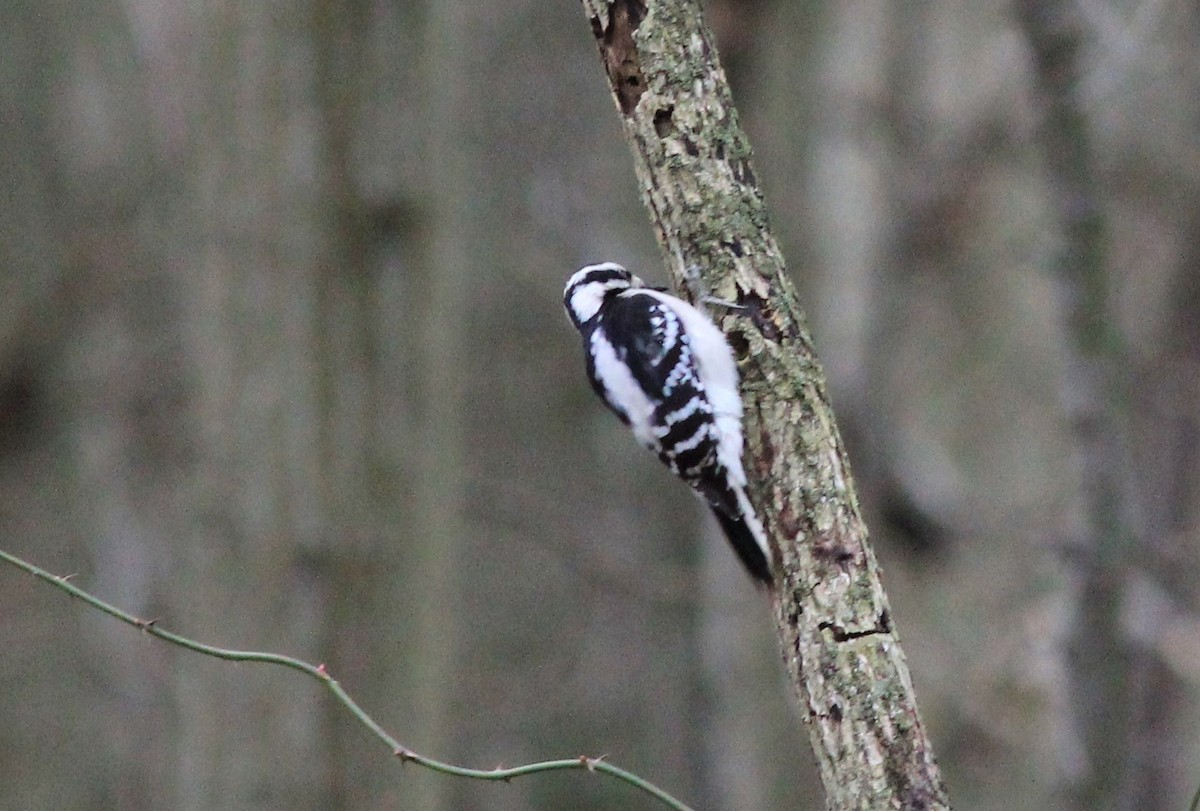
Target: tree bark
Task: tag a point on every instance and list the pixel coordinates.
(835, 628)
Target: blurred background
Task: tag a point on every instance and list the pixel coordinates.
(283, 365)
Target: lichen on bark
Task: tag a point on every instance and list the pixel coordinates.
(836, 634)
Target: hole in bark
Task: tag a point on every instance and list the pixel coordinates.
(744, 174)
(741, 347)
(663, 123)
(759, 311)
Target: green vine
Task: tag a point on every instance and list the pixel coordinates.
(319, 672)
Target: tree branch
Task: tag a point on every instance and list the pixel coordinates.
(318, 672)
(693, 163)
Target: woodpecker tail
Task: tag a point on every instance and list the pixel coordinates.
(747, 537)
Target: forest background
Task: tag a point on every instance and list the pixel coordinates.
(283, 366)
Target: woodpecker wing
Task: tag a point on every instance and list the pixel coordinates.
(653, 349)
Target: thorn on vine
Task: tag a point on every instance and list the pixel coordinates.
(322, 671)
(146, 625)
(589, 763)
(404, 755)
(66, 578)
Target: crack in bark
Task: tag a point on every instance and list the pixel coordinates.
(840, 634)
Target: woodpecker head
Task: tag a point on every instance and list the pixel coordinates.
(588, 288)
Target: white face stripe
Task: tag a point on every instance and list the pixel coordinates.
(584, 297)
(586, 301)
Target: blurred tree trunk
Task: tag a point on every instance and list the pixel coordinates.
(1166, 441)
(254, 505)
(445, 296)
(69, 141)
(1159, 184)
(353, 455)
(369, 438)
(1100, 662)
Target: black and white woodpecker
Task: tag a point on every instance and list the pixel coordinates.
(667, 371)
